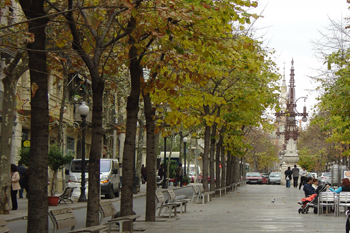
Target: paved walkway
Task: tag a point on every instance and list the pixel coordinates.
(22, 211)
(248, 209)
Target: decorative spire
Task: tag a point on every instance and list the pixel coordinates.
(284, 75)
(291, 84)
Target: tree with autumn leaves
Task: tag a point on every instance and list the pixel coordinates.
(198, 64)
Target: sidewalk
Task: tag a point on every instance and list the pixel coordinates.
(22, 211)
(249, 209)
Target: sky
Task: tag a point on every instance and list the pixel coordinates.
(288, 27)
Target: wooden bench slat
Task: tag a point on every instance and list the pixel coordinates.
(66, 223)
(64, 216)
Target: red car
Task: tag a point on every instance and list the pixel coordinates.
(253, 178)
(265, 178)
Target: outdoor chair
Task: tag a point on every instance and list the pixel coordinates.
(328, 200)
(66, 195)
(343, 201)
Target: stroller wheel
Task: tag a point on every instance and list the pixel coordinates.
(306, 211)
(299, 211)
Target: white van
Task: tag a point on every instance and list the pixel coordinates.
(109, 176)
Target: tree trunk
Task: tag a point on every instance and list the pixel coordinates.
(93, 204)
(235, 167)
(232, 173)
(156, 151)
(6, 144)
(38, 161)
(63, 103)
(126, 205)
(180, 147)
(212, 154)
(169, 157)
(139, 152)
(229, 169)
(53, 183)
(205, 158)
(151, 155)
(12, 74)
(223, 169)
(60, 125)
(218, 162)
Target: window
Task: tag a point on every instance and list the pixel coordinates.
(70, 146)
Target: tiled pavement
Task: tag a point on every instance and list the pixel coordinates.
(247, 209)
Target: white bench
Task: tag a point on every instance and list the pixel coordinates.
(172, 199)
(171, 207)
(198, 193)
(107, 210)
(65, 218)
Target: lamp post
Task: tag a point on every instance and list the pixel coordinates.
(165, 184)
(83, 110)
(185, 141)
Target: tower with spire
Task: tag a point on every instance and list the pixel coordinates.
(287, 130)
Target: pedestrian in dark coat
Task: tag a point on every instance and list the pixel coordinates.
(144, 174)
(295, 171)
(288, 173)
(179, 175)
(25, 180)
(161, 172)
(21, 169)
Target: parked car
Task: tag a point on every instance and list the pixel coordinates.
(326, 177)
(265, 177)
(312, 174)
(275, 178)
(109, 176)
(253, 178)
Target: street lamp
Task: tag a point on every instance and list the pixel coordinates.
(165, 184)
(83, 110)
(185, 141)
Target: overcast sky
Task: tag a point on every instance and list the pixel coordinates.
(288, 27)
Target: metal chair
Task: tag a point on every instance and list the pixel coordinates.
(343, 201)
(327, 199)
(66, 195)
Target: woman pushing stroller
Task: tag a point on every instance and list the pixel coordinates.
(311, 189)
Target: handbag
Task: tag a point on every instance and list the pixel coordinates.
(287, 178)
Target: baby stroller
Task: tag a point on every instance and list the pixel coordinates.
(311, 201)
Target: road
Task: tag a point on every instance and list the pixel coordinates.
(139, 207)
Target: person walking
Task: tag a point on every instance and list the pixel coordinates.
(295, 171)
(144, 174)
(288, 176)
(25, 181)
(302, 175)
(21, 169)
(14, 186)
(161, 172)
(179, 175)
